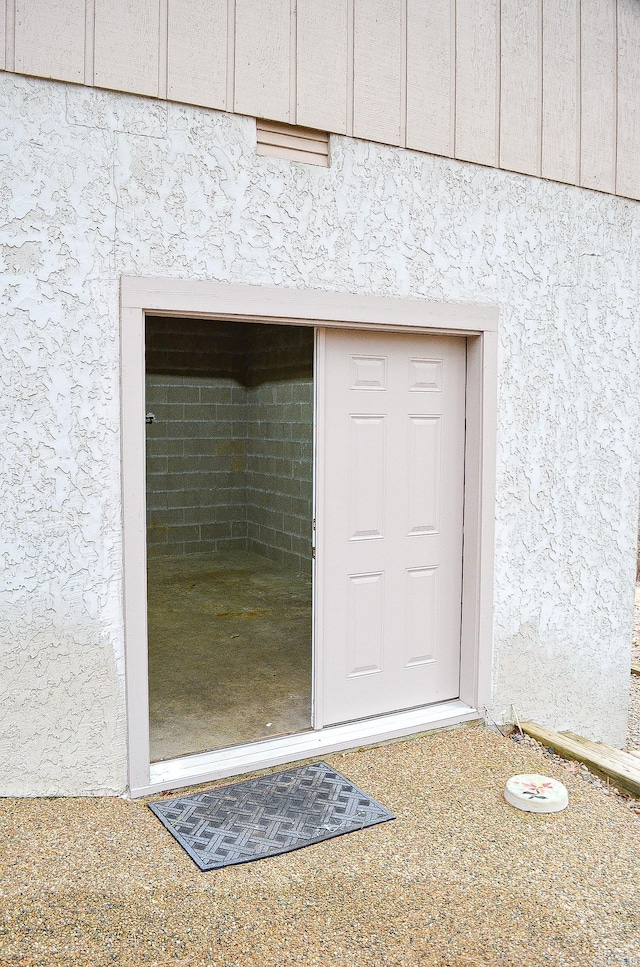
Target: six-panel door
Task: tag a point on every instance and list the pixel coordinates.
(392, 429)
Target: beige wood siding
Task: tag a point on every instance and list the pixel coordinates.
(561, 91)
(431, 58)
(49, 38)
(127, 45)
(628, 146)
(3, 36)
(477, 80)
(322, 52)
(263, 58)
(598, 102)
(197, 33)
(541, 87)
(377, 70)
(521, 85)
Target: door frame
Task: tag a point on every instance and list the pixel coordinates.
(306, 307)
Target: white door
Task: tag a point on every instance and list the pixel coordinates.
(391, 449)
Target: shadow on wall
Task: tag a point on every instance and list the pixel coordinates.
(250, 354)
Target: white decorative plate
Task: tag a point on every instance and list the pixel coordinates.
(536, 794)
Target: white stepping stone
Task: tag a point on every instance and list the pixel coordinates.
(536, 794)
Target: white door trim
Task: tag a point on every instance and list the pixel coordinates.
(217, 300)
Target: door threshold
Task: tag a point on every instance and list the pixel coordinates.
(202, 767)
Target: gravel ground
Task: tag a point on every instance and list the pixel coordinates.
(459, 879)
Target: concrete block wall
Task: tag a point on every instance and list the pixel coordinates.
(229, 454)
(280, 445)
(196, 495)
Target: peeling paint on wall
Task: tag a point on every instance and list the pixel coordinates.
(98, 184)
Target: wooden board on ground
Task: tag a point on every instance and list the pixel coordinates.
(606, 751)
(601, 759)
(635, 667)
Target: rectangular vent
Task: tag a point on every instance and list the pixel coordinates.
(276, 140)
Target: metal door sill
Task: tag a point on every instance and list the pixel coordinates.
(221, 763)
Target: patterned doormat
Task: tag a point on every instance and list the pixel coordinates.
(267, 816)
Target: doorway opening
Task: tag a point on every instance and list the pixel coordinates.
(229, 496)
(323, 312)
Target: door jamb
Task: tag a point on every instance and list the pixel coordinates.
(215, 300)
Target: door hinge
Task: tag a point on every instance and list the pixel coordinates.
(313, 553)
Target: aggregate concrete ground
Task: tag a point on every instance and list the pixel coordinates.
(459, 879)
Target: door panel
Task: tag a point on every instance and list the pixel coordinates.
(365, 634)
(392, 433)
(366, 476)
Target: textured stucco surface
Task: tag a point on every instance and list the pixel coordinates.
(96, 185)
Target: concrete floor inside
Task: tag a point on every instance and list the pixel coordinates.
(230, 647)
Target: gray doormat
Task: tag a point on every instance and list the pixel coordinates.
(267, 816)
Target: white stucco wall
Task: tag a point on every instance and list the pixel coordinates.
(95, 185)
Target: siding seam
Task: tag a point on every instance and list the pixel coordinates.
(453, 30)
(293, 63)
(580, 97)
(499, 97)
(616, 113)
(350, 64)
(540, 84)
(403, 72)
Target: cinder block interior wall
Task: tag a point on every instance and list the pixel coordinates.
(230, 450)
(279, 449)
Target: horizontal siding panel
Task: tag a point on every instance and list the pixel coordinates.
(293, 154)
(322, 64)
(263, 58)
(284, 133)
(628, 159)
(377, 53)
(561, 91)
(296, 143)
(49, 38)
(477, 80)
(292, 142)
(598, 105)
(126, 45)
(430, 75)
(521, 85)
(197, 52)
